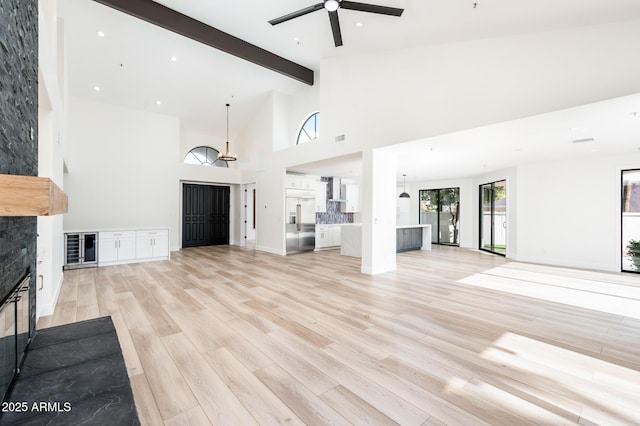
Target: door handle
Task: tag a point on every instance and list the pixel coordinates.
(298, 214)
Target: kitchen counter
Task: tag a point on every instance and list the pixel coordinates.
(351, 239)
(413, 237)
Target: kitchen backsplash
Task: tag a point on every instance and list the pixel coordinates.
(333, 213)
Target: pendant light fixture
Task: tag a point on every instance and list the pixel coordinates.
(227, 156)
(404, 194)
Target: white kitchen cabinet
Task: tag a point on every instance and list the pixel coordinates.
(152, 244)
(323, 237)
(351, 193)
(321, 196)
(299, 181)
(336, 232)
(328, 236)
(291, 181)
(116, 247)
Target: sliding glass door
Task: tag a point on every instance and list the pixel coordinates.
(493, 217)
(631, 220)
(440, 208)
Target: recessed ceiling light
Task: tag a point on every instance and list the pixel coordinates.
(96, 88)
(296, 39)
(174, 59)
(158, 102)
(359, 24)
(100, 33)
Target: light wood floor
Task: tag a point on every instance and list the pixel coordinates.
(226, 335)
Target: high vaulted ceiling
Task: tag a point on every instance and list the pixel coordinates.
(132, 62)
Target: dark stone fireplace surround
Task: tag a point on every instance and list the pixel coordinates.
(18, 137)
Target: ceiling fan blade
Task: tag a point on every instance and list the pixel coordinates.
(371, 8)
(335, 28)
(296, 14)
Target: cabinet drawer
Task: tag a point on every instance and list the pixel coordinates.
(116, 235)
(153, 233)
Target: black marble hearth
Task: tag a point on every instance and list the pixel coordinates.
(72, 374)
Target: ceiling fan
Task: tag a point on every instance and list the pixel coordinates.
(332, 7)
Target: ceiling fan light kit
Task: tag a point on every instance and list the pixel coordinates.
(332, 7)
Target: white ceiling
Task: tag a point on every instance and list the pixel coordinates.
(132, 66)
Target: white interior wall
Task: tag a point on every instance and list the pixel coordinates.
(123, 169)
(51, 130)
(392, 97)
(256, 140)
(281, 111)
(569, 212)
(270, 210)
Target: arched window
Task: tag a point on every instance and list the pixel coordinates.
(204, 156)
(310, 130)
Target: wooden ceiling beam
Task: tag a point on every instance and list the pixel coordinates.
(186, 26)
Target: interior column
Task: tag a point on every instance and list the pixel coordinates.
(378, 212)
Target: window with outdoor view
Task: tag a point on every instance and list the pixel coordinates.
(204, 156)
(440, 208)
(493, 217)
(631, 220)
(310, 130)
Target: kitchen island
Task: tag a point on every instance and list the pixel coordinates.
(408, 237)
(413, 237)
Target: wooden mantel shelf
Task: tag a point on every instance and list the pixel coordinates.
(31, 196)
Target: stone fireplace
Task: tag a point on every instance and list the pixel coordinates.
(19, 139)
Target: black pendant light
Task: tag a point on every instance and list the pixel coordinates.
(227, 156)
(404, 194)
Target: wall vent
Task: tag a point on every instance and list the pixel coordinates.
(339, 138)
(582, 140)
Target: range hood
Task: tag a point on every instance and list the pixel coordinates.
(334, 183)
(31, 196)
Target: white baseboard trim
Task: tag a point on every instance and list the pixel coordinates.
(568, 263)
(271, 250)
(378, 269)
(49, 308)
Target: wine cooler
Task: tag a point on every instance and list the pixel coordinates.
(81, 250)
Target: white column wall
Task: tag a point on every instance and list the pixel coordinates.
(378, 212)
(51, 133)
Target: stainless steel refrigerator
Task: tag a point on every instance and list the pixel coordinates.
(301, 220)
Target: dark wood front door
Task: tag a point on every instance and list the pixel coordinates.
(205, 215)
